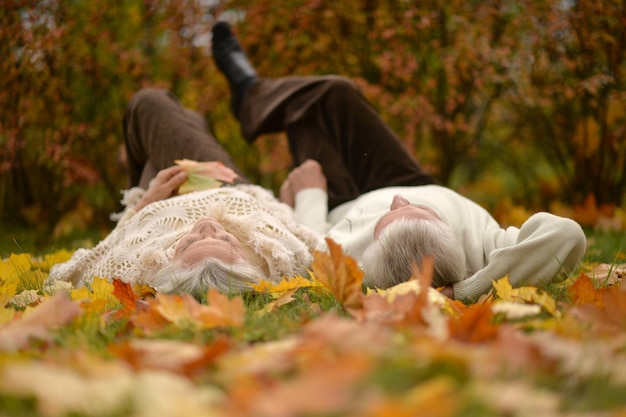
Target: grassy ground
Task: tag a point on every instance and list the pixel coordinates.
(302, 351)
(603, 246)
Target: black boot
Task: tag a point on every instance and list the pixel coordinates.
(232, 61)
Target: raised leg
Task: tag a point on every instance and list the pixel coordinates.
(329, 120)
(158, 130)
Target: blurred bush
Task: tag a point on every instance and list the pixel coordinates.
(523, 97)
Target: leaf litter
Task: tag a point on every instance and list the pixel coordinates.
(117, 349)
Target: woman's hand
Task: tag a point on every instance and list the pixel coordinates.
(164, 185)
(308, 175)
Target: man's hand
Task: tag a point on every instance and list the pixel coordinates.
(164, 185)
(308, 175)
(448, 291)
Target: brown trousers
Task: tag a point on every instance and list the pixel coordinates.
(326, 119)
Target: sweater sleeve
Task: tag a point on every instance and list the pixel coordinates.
(311, 208)
(547, 246)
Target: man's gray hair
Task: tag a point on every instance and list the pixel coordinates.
(209, 273)
(388, 260)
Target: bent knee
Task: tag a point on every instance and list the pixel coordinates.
(147, 98)
(341, 84)
(573, 242)
(571, 232)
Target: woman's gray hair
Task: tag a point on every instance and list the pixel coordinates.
(209, 273)
(388, 260)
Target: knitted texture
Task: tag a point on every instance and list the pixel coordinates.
(144, 242)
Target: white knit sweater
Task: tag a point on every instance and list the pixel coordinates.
(545, 246)
(143, 242)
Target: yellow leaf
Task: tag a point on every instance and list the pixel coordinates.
(7, 271)
(102, 289)
(54, 258)
(532, 294)
(82, 293)
(285, 298)
(21, 262)
(6, 315)
(411, 286)
(503, 288)
(506, 292)
(8, 289)
(286, 284)
(99, 293)
(13, 271)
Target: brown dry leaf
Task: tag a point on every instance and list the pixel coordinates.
(36, 323)
(584, 292)
(608, 274)
(475, 325)
(340, 274)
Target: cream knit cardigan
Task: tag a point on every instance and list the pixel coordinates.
(144, 242)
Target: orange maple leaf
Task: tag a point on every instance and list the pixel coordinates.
(608, 313)
(340, 274)
(124, 292)
(584, 292)
(148, 318)
(219, 311)
(475, 325)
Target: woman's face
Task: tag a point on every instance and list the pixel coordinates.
(402, 208)
(208, 239)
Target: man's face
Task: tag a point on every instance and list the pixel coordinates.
(401, 208)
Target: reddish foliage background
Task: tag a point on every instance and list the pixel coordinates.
(523, 97)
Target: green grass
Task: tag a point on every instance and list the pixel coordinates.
(410, 362)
